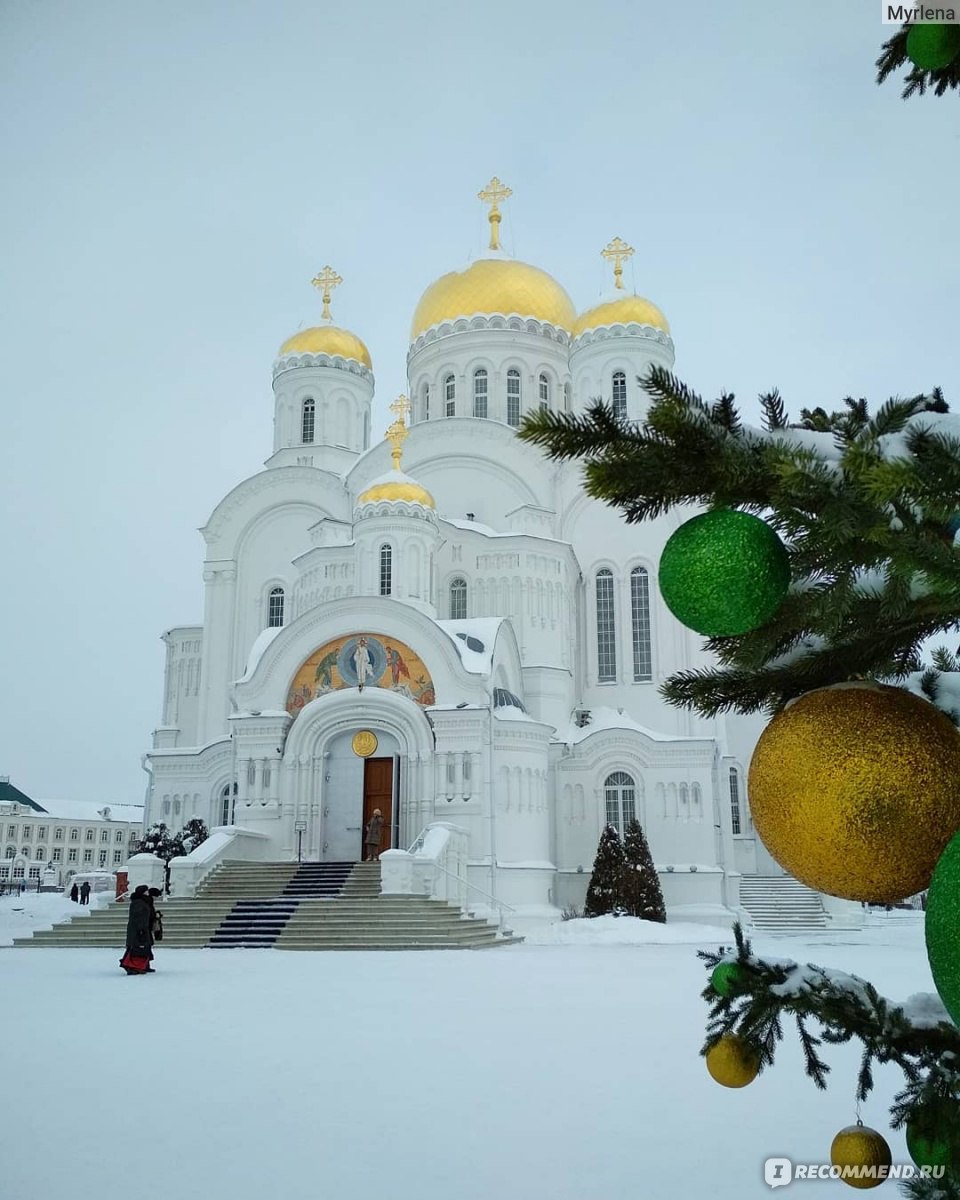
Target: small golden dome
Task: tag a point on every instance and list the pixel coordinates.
(494, 285)
(396, 486)
(624, 310)
(328, 339)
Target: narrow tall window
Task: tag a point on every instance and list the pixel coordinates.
(480, 393)
(735, 823)
(620, 800)
(458, 600)
(308, 416)
(640, 625)
(450, 396)
(544, 391)
(275, 608)
(425, 406)
(606, 628)
(619, 394)
(513, 397)
(226, 805)
(386, 570)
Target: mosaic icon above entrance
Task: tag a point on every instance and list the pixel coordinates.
(361, 660)
(364, 743)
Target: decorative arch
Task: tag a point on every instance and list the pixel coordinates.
(382, 662)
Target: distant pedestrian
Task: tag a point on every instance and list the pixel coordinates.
(374, 833)
(74, 893)
(85, 892)
(136, 960)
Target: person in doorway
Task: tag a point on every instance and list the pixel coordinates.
(136, 960)
(85, 892)
(74, 893)
(374, 832)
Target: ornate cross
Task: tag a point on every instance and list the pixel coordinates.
(492, 194)
(617, 252)
(398, 432)
(325, 282)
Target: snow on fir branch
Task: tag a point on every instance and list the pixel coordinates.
(864, 503)
(917, 1035)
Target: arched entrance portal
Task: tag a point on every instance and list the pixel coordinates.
(362, 774)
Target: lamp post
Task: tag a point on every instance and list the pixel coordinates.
(300, 828)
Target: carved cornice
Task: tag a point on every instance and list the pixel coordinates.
(648, 333)
(290, 362)
(494, 321)
(394, 508)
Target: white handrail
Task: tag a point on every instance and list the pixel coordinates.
(500, 905)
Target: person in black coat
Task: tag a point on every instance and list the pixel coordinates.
(85, 892)
(74, 893)
(136, 960)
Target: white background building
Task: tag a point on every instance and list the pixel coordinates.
(506, 629)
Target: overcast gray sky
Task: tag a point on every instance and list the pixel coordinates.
(174, 174)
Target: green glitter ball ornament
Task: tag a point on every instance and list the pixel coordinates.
(727, 979)
(932, 47)
(927, 1151)
(943, 927)
(724, 573)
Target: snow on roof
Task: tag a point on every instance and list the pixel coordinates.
(477, 527)
(257, 650)
(474, 640)
(89, 810)
(510, 712)
(609, 718)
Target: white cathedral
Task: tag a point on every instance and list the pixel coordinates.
(468, 640)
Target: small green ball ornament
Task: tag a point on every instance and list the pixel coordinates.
(932, 47)
(724, 573)
(927, 1151)
(942, 927)
(727, 979)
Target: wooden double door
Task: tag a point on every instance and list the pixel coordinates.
(378, 793)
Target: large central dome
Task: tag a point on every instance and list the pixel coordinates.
(494, 285)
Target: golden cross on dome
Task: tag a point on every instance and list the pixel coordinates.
(617, 252)
(325, 282)
(398, 432)
(492, 194)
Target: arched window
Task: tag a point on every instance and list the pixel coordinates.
(606, 628)
(40, 854)
(166, 807)
(275, 608)
(735, 822)
(640, 625)
(620, 797)
(458, 600)
(567, 397)
(226, 807)
(176, 806)
(308, 416)
(619, 394)
(480, 393)
(544, 390)
(425, 404)
(450, 396)
(386, 570)
(513, 397)
(10, 852)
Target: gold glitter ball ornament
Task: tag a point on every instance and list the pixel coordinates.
(865, 1155)
(855, 791)
(733, 1062)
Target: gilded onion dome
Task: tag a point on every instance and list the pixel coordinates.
(496, 284)
(395, 485)
(327, 339)
(620, 308)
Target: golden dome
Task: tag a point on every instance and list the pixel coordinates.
(624, 310)
(328, 339)
(396, 486)
(494, 285)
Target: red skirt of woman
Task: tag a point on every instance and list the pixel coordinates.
(134, 965)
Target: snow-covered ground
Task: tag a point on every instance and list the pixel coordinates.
(536, 1072)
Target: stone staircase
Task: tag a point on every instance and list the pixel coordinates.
(313, 906)
(782, 904)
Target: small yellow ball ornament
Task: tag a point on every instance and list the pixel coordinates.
(865, 1155)
(733, 1062)
(856, 790)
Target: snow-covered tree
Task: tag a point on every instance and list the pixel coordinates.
(606, 882)
(640, 892)
(192, 835)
